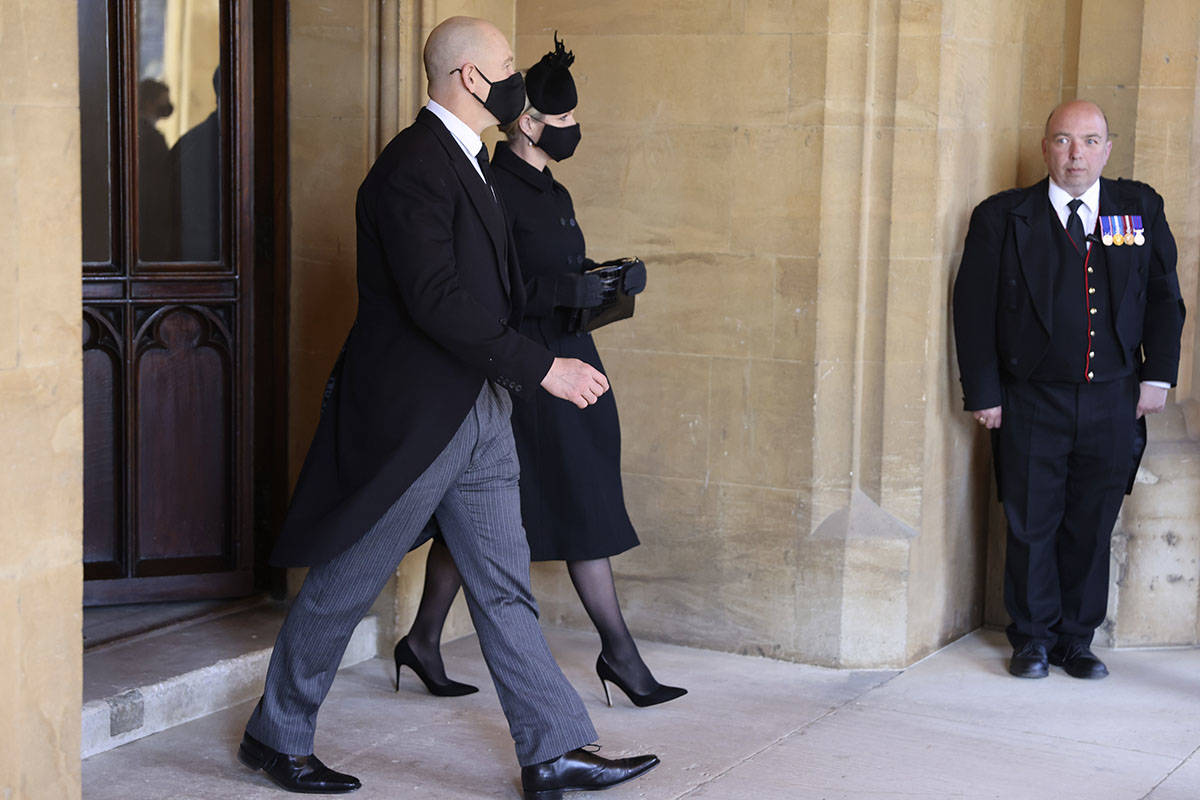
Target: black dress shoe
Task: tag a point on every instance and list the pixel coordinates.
(580, 771)
(1078, 661)
(1029, 661)
(304, 774)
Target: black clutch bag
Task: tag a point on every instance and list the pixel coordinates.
(615, 303)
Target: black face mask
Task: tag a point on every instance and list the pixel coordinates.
(506, 100)
(558, 143)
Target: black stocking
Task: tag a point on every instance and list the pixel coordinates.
(441, 585)
(593, 581)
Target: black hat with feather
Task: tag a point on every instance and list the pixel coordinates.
(549, 84)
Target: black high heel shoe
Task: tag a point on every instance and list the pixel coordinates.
(652, 698)
(406, 657)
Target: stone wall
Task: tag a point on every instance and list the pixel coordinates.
(793, 459)
(798, 176)
(41, 496)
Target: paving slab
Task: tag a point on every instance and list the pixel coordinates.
(864, 753)
(1149, 702)
(410, 744)
(953, 727)
(1182, 784)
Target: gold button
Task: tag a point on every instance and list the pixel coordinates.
(1091, 333)
(1091, 270)
(1091, 290)
(1093, 311)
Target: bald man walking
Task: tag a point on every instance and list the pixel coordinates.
(415, 426)
(1067, 316)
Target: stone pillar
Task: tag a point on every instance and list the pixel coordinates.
(41, 496)
(1156, 545)
(1139, 61)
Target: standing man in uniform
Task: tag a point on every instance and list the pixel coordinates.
(415, 425)
(1067, 316)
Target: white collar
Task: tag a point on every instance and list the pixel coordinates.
(1059, 197)
(468, 139)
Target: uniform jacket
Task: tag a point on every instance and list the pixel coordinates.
(1003, 299)
(439, 298)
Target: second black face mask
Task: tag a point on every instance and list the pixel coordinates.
(506, 100)
(559, 143)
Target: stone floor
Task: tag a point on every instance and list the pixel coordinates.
(953, 726)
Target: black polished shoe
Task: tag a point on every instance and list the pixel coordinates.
(404, 656)
(660, 694)
(1078, 661)
(303, 774)
(1029, 661)
(580, 771)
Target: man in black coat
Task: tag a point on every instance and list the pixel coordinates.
(415, 425)
(1067, 316)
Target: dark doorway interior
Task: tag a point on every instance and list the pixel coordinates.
(184, 288)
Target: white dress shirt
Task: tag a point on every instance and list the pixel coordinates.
(1059, 197)
(467, 139)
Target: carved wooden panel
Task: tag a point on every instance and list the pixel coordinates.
(183, 371)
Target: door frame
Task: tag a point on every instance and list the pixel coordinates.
(257, 221)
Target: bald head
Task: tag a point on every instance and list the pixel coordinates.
(458, 41)
(1074, 108)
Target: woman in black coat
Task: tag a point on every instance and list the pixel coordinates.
(571, 498)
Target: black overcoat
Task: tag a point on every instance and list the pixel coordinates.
(439, 298)
(572, 501)
(1003, 292)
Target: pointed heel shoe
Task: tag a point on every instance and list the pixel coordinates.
(661, 694)
(405, 657)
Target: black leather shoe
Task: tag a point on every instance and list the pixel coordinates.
(1029, 661)
(1078, 661)
(580, 771)
(304, 774)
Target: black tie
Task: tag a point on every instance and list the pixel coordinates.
(1075, 226)
(486, 169)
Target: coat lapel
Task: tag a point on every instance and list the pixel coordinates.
(1031, 227)
(486, 204)
(1118, 260)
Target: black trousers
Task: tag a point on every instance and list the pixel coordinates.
(1063, 453)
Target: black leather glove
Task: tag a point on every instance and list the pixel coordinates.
(578, 291)
(635, 278)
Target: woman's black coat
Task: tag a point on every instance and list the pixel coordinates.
(571, 497)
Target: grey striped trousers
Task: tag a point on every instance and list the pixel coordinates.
(471, 487)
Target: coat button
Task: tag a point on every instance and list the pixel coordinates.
(1091, 290)
(562, 221)
(1090, 374)
(1093, 311)
(1091, 354)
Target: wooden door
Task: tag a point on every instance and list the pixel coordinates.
(180, 270)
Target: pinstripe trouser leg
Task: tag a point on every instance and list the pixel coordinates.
(472, 488)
